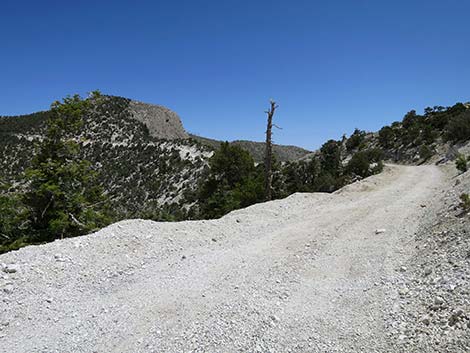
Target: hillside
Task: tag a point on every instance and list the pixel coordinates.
(433, 136)
(142, 152)
(148, 163)
(314, 272)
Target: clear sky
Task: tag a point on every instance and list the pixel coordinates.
(331, 65)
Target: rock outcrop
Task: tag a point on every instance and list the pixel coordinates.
(161, 122)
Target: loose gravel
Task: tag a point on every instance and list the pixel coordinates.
(310, 273)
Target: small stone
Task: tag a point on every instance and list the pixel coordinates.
(403, 269)
(438, 301)
(425, 320)
(453, 319)
(427, 271)
(59, 258)
(10, 269)
(8, 289)
(380, 231)
(403, 291)
(183, 257)
(214, 240)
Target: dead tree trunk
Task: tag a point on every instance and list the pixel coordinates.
(269, 152)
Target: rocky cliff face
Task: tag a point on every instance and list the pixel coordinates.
(161, 122)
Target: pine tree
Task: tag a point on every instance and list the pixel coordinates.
(63, 196)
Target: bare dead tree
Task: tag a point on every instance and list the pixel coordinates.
(269, 151)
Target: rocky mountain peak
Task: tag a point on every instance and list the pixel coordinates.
(162, 122)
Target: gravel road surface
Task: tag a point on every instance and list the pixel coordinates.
(310, 273)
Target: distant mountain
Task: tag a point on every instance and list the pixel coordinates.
(282, 153)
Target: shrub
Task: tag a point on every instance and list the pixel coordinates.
(355, 140)
(410, 119)
(13, 222)
(233, 182)
(360, 163)
(425, 152)
(375, 155)
(461, 163)
(330, 158)
(465, 202)
(386, 136)
(326, 182)
(458, 127)
(300, 176)
(378, 168)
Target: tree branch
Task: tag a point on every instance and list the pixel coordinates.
(47, 206)
(76, 220)
(5, 236)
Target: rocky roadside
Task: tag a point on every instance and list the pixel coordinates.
(432, 308)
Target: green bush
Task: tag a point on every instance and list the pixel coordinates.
(361, 163)
(461, 163)
(458, 127)
(233, 182)
(410, 119)
(355, 140)
(326, 183)
(330, 157)
(13, 222)
(378, 168)
(386, 136)
(425, 152)
(465, 202)
(300, 176)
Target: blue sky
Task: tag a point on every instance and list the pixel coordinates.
(331, 65)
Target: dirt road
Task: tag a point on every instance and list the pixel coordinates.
(303, 274)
